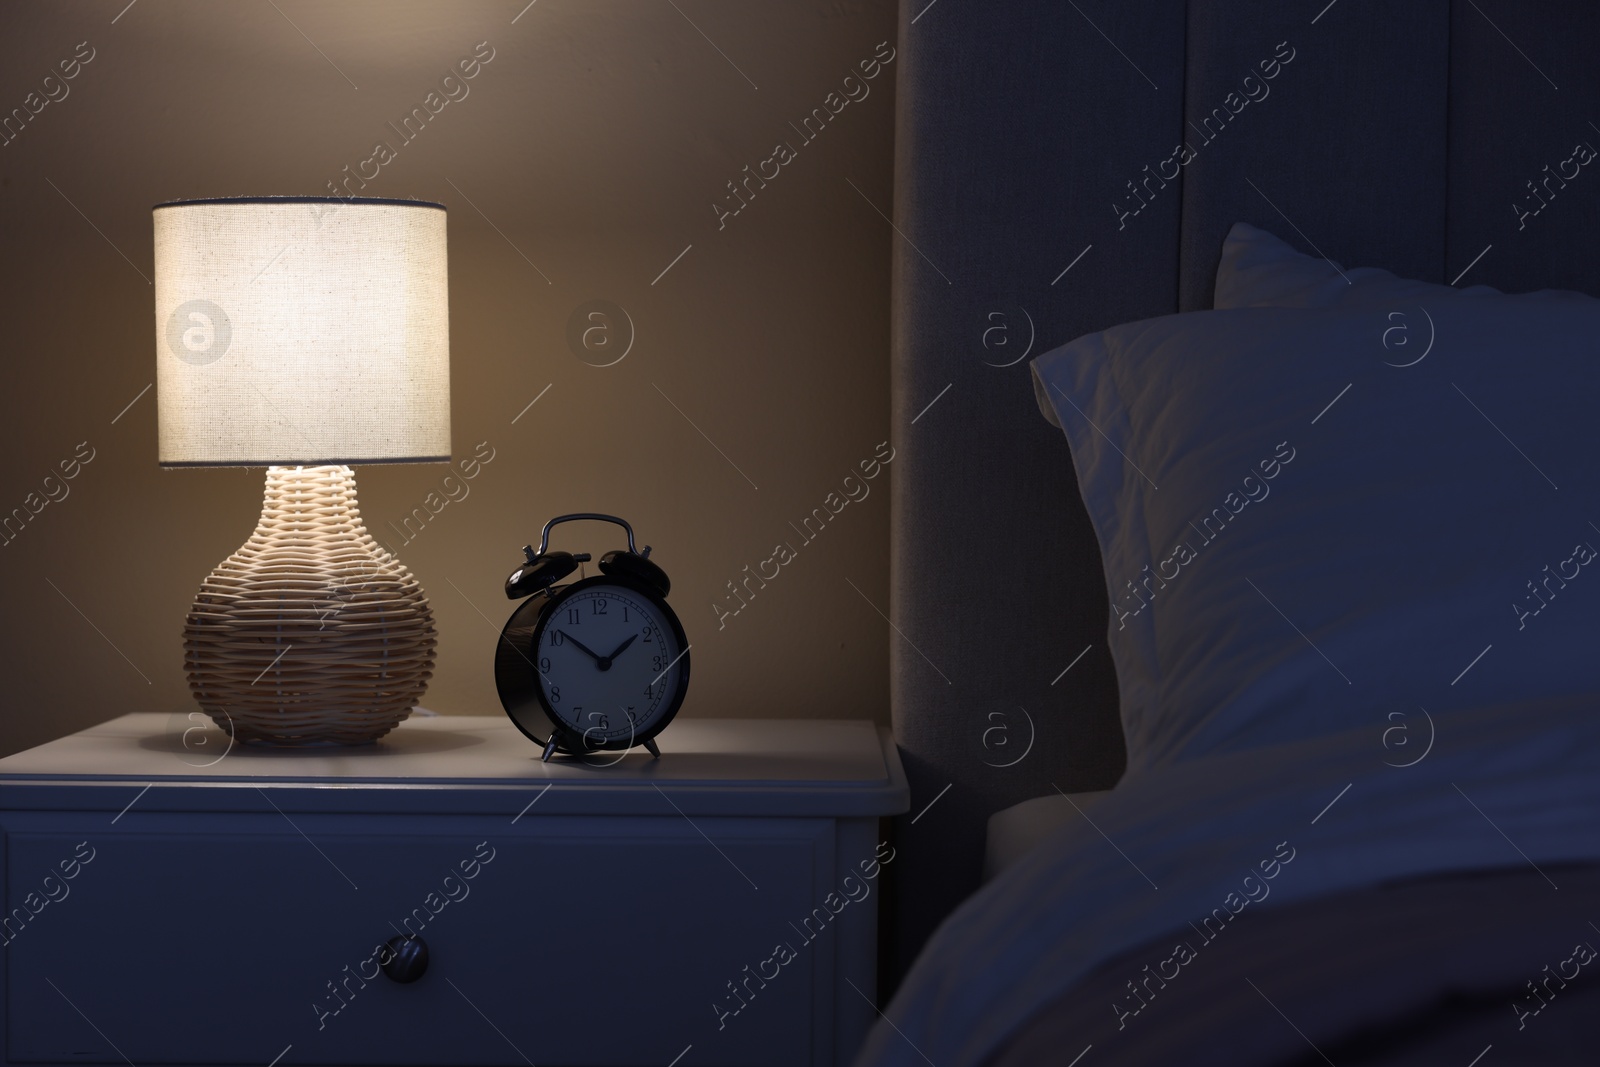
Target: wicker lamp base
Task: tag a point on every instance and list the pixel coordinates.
(312, 633)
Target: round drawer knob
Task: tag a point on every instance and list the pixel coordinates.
(408, 958)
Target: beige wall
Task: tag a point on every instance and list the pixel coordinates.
(597, 139)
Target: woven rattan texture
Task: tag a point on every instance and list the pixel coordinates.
(312, 632)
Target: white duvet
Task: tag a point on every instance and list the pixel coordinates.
(1170, 848)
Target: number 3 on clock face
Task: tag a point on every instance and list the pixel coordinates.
(610, 663)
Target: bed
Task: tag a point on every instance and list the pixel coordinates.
(1375, 651)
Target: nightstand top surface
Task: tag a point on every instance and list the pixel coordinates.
(831, 765)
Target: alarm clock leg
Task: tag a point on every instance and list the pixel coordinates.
(549, 749)
(650, 746)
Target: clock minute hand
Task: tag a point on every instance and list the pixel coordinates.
(622, 646)
(586, 650)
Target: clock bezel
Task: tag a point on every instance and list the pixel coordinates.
(567, 739)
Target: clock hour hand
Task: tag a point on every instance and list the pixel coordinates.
(586, 650)
(604, 662)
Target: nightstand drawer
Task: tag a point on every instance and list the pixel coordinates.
(578, 940)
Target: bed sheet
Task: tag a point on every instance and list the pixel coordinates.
(1207, 841)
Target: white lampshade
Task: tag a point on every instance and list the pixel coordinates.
(297, 331)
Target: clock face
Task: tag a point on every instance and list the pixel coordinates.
(610, 663)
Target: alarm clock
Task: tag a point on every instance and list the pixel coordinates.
(600, 663)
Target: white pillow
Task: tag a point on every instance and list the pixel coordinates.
(1337, 538)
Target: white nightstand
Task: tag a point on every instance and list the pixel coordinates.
(164, 912)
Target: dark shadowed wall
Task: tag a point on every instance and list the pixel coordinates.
(588, 158)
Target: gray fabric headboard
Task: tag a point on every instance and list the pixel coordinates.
(1039, 196)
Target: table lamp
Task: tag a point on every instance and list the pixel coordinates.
(303, 335)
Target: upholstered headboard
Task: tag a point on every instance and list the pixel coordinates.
(1065, 166)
